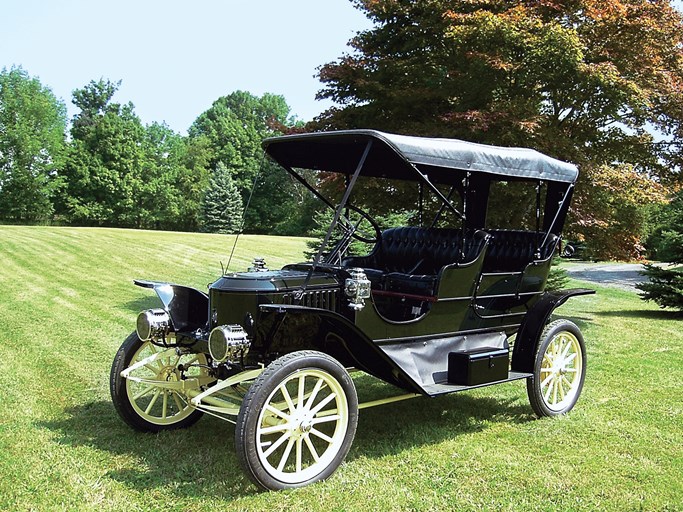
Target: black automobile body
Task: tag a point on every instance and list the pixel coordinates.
(430, 308)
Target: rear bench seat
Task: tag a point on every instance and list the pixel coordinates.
(512, 251)
(408, 259)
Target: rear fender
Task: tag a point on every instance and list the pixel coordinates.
(187, 307)
(526, 344)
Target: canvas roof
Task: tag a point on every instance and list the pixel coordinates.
(393, 156)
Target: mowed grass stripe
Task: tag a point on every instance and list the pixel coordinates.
(67, 301)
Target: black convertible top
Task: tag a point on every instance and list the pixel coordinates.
(393, 156)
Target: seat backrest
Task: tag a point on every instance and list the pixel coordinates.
(421, 250)
(512, 250)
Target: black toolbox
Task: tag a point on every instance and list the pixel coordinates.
(479, 366)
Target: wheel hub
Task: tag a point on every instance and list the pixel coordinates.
(305, 426)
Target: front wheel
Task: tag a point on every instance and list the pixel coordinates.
(147, 407)
(559, 369)
(297, 421)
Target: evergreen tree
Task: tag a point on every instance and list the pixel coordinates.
(665, 285)
(222, 205)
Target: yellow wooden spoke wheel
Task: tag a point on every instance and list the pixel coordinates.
(559, 369)
(139, 400)
(297, 421)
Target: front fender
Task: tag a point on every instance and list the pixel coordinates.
(187, 307)
(524, 352)
(345, 340)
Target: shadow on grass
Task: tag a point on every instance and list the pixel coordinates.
(142, 303)
(201, 461)
(648, 314)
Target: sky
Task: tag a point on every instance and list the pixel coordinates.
(175, 58)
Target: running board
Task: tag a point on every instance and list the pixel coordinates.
(444, 388)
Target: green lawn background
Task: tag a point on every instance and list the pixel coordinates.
(67, 301)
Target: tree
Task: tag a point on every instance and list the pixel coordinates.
(103, 173)
(174, 178)
(609, 212)
(234, 128)
(665, 285)
(222, 205)
(32, 128)
(559, 76)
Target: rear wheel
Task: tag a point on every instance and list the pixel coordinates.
(147, 407)
(297, 421)
(559, 369)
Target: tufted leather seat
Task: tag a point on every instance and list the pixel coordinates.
(511, 251)
(408, 259)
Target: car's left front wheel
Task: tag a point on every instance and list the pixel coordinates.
(297, 421)
(143, 405)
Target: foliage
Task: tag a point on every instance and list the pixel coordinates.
(324, 218)
(665, 285)
(234, 128)
(32, 128)
(222, 204)
(121, 173)
(106, 157)
(665, 243)
(175, 178)
(561, 77)
(557, 277)
(609, 212)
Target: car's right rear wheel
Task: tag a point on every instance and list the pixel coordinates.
(559, 369)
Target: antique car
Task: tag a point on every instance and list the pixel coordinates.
(454, 302)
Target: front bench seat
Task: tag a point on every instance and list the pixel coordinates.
(409, 259)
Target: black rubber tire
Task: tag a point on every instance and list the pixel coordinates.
(538, 402)
(119, 394)
(255, 400)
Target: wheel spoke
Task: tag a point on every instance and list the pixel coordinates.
(274, 428)
(143, 392)
(546, 380)
(560, 385)
(276, 444)
(151, 368)
(323, 403)
(285, 455)
(324, 419)
(555, 384)
(299, 442)
(177, 401)
(570, 358)
(302, 389)
(322, 436)
(311, 448)
(153, 401)
(546, 395)
(277, 412)
(287, 397)
(314, 394)
(164, 405)
(567, 348)
(569, 383)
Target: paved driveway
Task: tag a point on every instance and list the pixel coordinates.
(619, 275)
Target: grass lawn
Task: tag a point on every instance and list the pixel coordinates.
(67, 302)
